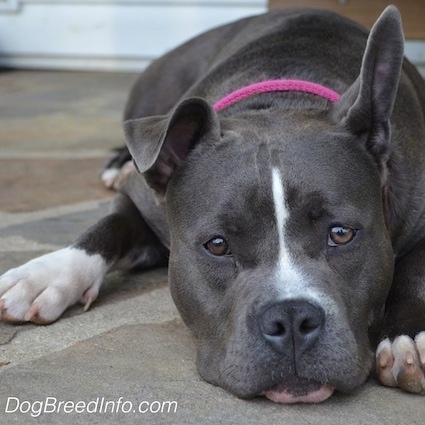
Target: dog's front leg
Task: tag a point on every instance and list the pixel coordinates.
(400, 357)
(40, 290)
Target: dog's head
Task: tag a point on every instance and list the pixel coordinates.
(280, 259)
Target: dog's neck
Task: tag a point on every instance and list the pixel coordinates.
(276, 86)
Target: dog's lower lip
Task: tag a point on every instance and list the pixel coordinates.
(313, 392)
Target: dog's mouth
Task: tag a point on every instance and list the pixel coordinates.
(299, 390)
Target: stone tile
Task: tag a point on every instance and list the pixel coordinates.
(56, 111)
(57, 230)
(32, 184)
(7, 332)
(156, 363)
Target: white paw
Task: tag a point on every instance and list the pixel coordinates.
(401, 363)
(40, 290)
(114, 178)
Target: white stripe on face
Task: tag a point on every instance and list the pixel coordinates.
(282, 214)
(291, 281)
(286, 269)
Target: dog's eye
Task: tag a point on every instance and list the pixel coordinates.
(218, 246)
(340, 235)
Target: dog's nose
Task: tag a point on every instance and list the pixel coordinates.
(292, 326)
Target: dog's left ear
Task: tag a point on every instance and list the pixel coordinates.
(159, 144)
(365, 108)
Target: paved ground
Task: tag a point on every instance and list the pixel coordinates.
(130, 350)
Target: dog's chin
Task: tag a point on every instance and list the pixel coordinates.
(300, 391)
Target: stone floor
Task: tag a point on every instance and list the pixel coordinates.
(129, 358)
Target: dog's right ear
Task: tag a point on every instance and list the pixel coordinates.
(160, 144)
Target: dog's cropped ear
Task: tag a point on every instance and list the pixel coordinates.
(159, 144)
(365, 108)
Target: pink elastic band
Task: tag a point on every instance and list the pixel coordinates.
(275, 86)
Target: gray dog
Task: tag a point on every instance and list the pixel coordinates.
(281, 174)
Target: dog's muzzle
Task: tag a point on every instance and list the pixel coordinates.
(292, 327)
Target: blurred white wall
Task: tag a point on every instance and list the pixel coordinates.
(106, 34)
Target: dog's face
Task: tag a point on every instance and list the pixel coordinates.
(280, 259)
(280, 266)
